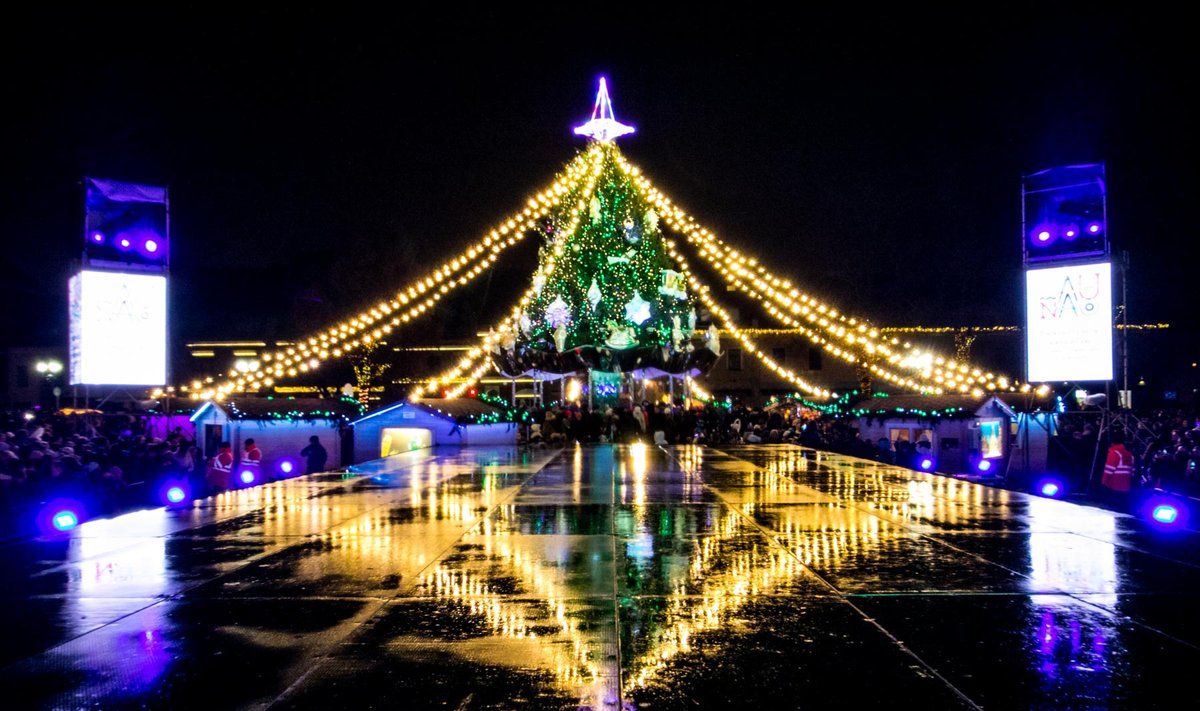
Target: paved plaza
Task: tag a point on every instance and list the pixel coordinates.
(606, 577)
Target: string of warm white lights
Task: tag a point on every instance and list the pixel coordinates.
(723, 316)
(696, 390)
(731, 266)
(471, 362)
(745, 273)
(419, 297)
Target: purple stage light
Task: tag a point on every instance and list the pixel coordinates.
(1043, 236)
(1094, 228)
(247, 476)
(151, 246)
(98, 237)
(124, 243)
(286, 466)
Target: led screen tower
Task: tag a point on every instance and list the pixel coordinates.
(1068, 275)
(118, 300)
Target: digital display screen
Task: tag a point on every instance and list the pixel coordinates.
(991, 440)
(1069, 323)
(118, 325)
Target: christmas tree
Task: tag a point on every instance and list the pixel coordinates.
(607, 295)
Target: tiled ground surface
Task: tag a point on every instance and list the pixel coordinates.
(606, 577)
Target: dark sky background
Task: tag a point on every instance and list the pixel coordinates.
(316, 159)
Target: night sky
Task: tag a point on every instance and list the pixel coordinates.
(316, 161)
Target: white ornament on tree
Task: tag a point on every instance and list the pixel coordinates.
(632, 235)
(560, 337)
(558, 312)
(525, 324)
(638, 309)
(539, 280)
(620, 336)
(595, 208)
(651, 220)
(713, 340)
(593, 294)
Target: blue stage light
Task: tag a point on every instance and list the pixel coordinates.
(60, 515)
(1051, 489)
(984, 465)
(65, 520)
(1165, 513)
(247, 476)
(174, 492)
(926, 463)
(286, 467)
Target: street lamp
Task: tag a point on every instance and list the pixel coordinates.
(51, 368)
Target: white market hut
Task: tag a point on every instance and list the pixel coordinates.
(430, 422)
(962, 429)
(279, 426)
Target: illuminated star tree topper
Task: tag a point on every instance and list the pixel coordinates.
(604, 126)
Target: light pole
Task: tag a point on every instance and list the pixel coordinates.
(50, 368)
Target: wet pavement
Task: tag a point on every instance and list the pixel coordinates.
(606, 577)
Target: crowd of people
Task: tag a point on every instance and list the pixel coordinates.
(113, 462)
(110, 462)
(664, 423)
(1164, 445)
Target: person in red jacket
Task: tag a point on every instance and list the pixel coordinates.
(1118, 472)
(220, 469)
(252, 462)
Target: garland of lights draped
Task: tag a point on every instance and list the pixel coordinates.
(612, 292)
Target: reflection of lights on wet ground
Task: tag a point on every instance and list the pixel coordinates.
(1065, 561)
(1071, 640)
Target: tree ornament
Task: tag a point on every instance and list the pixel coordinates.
(560, 337)
(539, 280)
(691, 322)
(620, 336)
(676, 333)
(672, 284)
(558, 312)
(595, 209)
(632, 234)
(525, 324)
(638, 309)
(651, 220)
(712, 340)
(594, 295)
